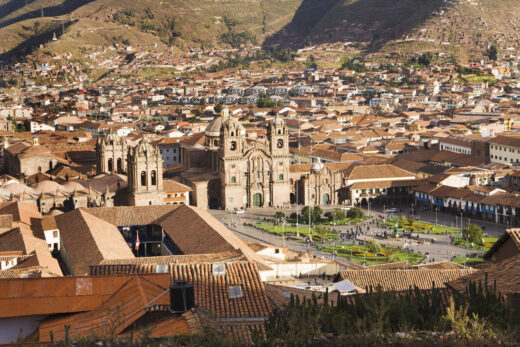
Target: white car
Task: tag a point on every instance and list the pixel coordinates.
(240, 211)
(392, 210)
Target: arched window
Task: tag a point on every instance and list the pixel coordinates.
(279, 131)
(233, 145)
(39, 169)
(110, 165)
(154, 178)
(280, 144)
(280, 177)
(143, 178)
(232, 133)
(257, 175)
(119, 165)
(233, 179)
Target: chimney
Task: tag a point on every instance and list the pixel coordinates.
(182, 296)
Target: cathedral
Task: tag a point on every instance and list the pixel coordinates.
(233, 171)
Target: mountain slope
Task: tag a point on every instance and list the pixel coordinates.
(395, 25)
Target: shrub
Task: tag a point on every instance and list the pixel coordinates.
(355, 212)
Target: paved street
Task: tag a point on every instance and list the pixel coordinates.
(436, 247)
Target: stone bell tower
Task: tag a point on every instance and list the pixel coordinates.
(145, 181)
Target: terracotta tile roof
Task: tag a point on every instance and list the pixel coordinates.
(363, 172)
(175, 259)
(34, 271)
(88, 240)
(513, 234)
(175, 187)
(506, 274)
(440, 265)
(212, 291)
(396, 280)
(129, 303)
(21, 212)
(47, 296)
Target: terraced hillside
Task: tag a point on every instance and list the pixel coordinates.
(403, 25)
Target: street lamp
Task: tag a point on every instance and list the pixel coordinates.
(436, 208)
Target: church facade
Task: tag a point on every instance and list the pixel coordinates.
(236, 171)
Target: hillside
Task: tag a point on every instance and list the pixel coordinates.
(387, 25)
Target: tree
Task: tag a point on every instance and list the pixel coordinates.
(373, 247)
(3, 83)
(218, 107)
(355, 213)
(508, 89)
(265, 100)
(279, 215)
(425, 59)
(472, 233)
(492, 52)
(316, 213)
(330, 216)
(311, 62)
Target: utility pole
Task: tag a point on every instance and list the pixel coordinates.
(42, 12)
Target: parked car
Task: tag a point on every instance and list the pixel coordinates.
(392, 210)
(241, 211)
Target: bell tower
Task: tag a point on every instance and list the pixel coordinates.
(145, 181)
(111, 152)
(232, 136)
(278, 137)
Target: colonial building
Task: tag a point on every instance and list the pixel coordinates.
(235, 171)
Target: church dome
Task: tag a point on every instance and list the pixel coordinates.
(213, 128)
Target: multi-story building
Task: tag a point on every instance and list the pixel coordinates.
(504, 150)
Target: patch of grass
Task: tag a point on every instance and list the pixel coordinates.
(470, 261)
(360, 254)
(487, 243)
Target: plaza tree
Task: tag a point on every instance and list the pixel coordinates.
(472, 233)
(355, 213)
(315, 214)
(279, 215)
(373, 247)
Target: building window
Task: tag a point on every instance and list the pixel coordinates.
(154, 178)
(119, 165)
(280, 177)
(233, 179)
(55, 234)
(257, 175)
(233, 145)
(110, 165)
(143, 178)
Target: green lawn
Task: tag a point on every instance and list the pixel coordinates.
(487, 243)
(358, 255)
(421, 227)
(471, 261)
(290, 231)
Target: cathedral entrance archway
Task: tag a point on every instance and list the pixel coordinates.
(213, 203)
(326, 199)
(257, 200)
(293, 198)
